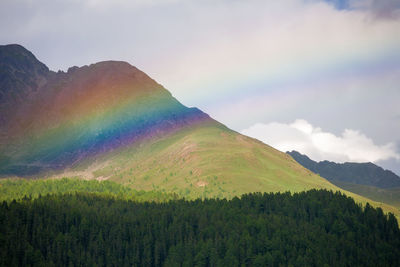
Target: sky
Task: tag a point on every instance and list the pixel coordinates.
(320, 77)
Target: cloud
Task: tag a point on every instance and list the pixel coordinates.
(351, 145)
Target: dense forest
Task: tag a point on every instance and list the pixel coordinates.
(314, 228)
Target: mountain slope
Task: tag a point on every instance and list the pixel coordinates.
(110, 121)
(390, 196)
(83, 112)
(206, 160)
(350, 172)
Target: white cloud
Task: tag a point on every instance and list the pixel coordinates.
(351, 145)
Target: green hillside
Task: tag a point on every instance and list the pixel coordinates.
(21, 189)
(390, 196)
(206, 161)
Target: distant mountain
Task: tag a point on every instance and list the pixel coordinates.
(349, 172)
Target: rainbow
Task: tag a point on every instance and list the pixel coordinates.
(89, 111)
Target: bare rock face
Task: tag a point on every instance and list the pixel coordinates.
(20, 73)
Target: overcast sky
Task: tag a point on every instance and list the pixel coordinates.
(320, 77)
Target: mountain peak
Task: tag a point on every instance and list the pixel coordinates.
(21, 73)
(18, 58)
(114, 70)
(106, 66)
(120, 65)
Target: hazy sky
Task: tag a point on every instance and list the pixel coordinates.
(321, 77)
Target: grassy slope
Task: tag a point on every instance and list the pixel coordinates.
(211, 161)
(208, 161)
(18, 189)
(390, 196)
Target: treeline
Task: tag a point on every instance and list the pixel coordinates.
(24, 188)
(314, 228)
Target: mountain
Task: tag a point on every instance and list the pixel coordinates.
(356, 173)
(110, 121)
(53, 120)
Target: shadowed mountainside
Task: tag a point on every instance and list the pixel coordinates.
(350, 172)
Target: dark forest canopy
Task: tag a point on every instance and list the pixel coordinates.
(313, 228)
